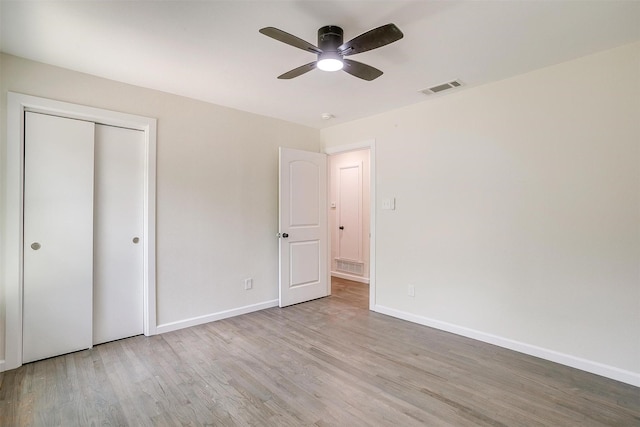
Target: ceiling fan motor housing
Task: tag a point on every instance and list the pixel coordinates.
(330, 38)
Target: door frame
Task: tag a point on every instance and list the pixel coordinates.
(371, 146)
(12, 259)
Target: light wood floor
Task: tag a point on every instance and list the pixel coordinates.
(328, 362)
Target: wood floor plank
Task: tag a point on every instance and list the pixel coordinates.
(328, 362)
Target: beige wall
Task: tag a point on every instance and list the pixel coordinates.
(349, 159)
(517, 210)
(216, 187)
(517, 203)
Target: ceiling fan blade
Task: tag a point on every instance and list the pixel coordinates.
(298, 71)
(289, 39)
(372, 39)
(360, 70)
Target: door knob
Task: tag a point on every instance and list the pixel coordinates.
(285, 235)
(35, 246)
(136, 239)
(341, 227)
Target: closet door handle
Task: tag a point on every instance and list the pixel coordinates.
(341, 227)
(35, 246)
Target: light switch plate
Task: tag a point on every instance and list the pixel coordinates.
(389, 204)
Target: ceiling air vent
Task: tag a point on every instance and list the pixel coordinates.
(442, 87)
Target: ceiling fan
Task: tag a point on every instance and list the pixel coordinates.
(331, 50)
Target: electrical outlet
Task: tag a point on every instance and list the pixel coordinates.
(248, 284)
(411, 291)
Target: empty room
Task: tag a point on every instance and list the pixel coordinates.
(327, 213)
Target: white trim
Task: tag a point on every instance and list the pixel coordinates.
(350, 277)
(194, 321)
(371, 146)
(12, 260)
(336, 149)
(597, 368)
(2, 363)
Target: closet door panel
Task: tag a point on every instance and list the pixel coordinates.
(118, 227)
(58, 236)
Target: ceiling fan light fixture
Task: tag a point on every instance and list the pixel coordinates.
(330, 61)
(331, 49)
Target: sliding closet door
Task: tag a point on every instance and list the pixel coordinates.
(58, 236)
(118, 257)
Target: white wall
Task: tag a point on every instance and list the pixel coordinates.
(518, 211)
(216, 188)
(349, 159)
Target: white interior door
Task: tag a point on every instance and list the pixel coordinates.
(118, 226)
(303, 226)
(58, 236)
(350, 212)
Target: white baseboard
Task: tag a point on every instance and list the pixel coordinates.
(597, 368)
(194, 321)
(2, 365)
(350, 277)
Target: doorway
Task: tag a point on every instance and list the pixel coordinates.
(352, 214)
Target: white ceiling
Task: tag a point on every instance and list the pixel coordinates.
(212, 51)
